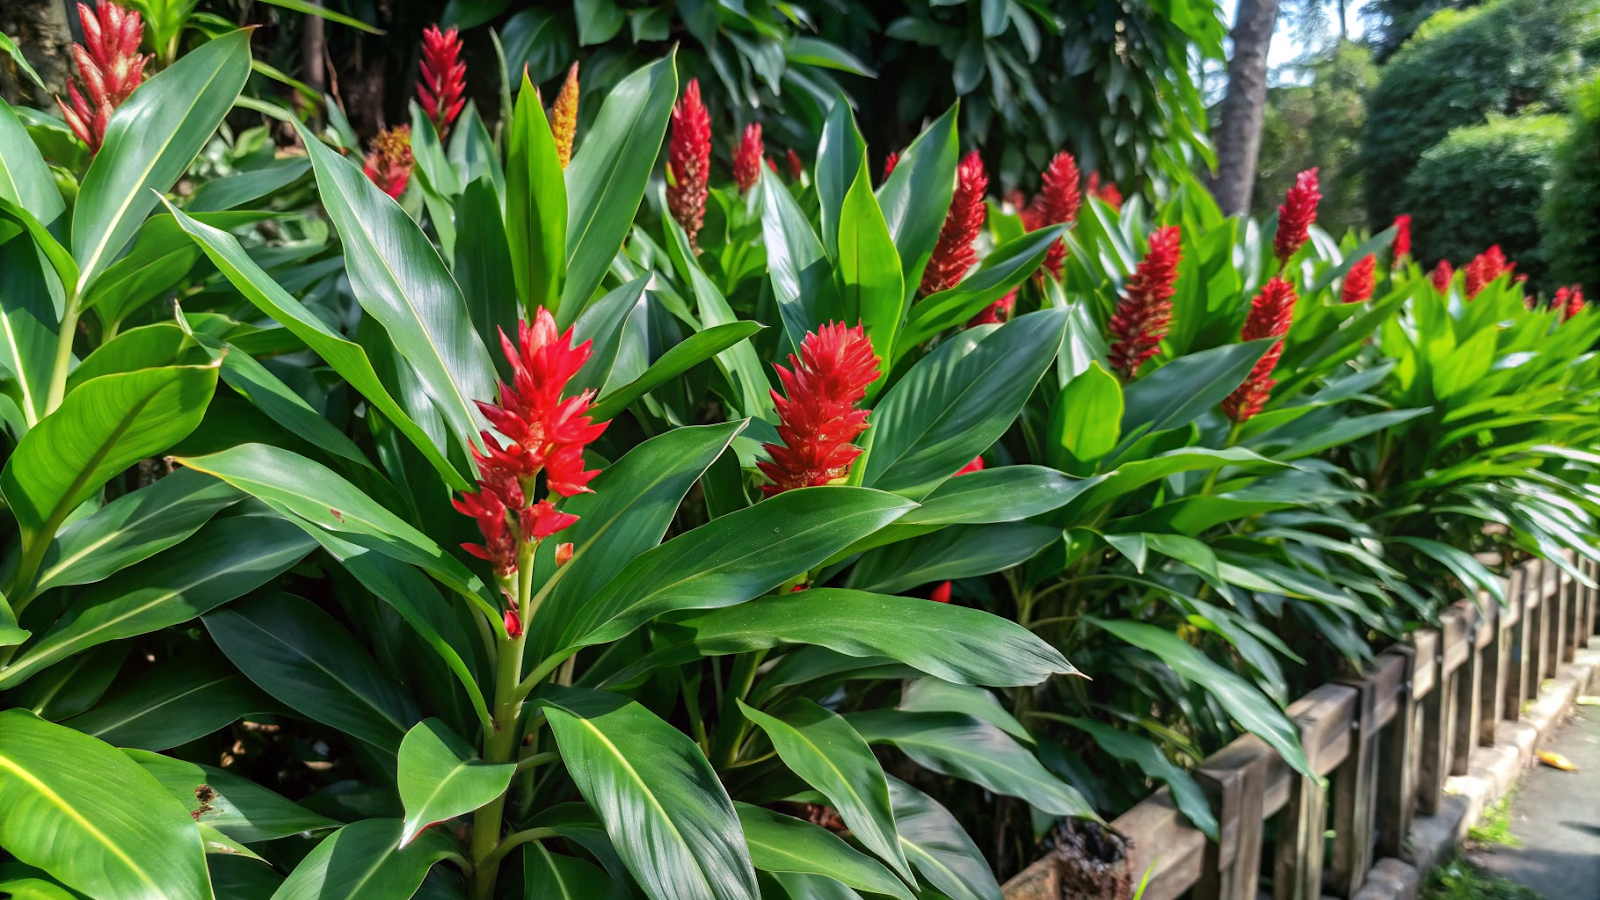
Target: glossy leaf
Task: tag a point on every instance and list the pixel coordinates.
(362, 861)
(780, 843)
(241, 809)
(31, 303)
(231, 191)
(24, 178)
(1182, 390)
(917, 194)
(1086, 419)
(1006, 267)
(536, 206)
(484, 266)
(840, 154)
(964, 551)
(440, 777)
(797, 266)
(1150, 759)
(548, 876)
(938, 695)
(871, 288)
(1003, 494)
(267, 393)
(685, 355)
(937, 847)
(173, 704)
(739, 363)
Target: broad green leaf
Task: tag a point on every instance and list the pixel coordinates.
(24, 178)
(228, 558)
(1245, 703)
(732, 559)
(916, 196)
(239, 878)
(1008, 266)
(474, 153)
(440, 777)
(159, 259)
(959, 745)
(957, 401)
(840, 155)
(871, 288)
(129, 842)
(399, 279)
(536, 208)
(822, 748)
(739, 363)
(231, 191)
(937, 847)
(548, 876)
(1463, 565)
(72, 685)
(172, 704)
(148, 347)
(314, 496)
(607, 176)
(1144, 753)
(615, 326)
(1002, 494)
(151, 140)
(306, 8)
(21, 61)
(668, 816)
(802, 279)
(780, 843)
(685, 355)
(964, 551)
(955, 643)
(281, 404)
(11, 633)
(484, 266)
(1134, 474)
(60, 260)
(307, 661)
(938, 695)
(1086, 419)
(31, 304)
(18, 881)
(242, 809)
(363, 861)
(1185, 388)
(346, 357)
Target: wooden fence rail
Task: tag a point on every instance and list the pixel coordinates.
(1409, 751)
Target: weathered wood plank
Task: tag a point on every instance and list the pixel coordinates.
(1354, 792)
(1164, 844)
(1235, 780)
(1396, 762)
(1468, 684)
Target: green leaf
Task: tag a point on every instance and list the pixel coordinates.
(957, 401)
(1134, 474)
(238, 878)
(346, 357)
(1008, 266)
(1144, 753)
(304, 658)
(607, 176)
(871, 286)
(822, 748)
(228, 558)
(840, 155)
(1463, 565)
(242, 809)
(149, 144)
(547, 876)
(964, 551)
(685, 355)
(161, 257)
(598, 21)
(362, 861)
(484, 266)
(1184, 389)
(917, 194)
(21, 61)
(171, 704)
(615, 325)
(732, 559)
(232, 191)
(281, 404)
(959, 745)
(1247, 705)
(133, 842)
(536, 207)
(31, 303)
(72, 685)
(1085, 420)
(24, 178)
(798, 268)
(399, 279)
(440, 777)
(667, 814)
(739, 364)
(780, 843)
(938, 695)
(937, 847)
(1003, 494)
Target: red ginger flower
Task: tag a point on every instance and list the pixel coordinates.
(996, 313)
(689, 162)
(1442, 275)
(940, 592)
(1270, 314)
(747, 158)
(1058, 203)
(1145, 312)
(1295, 216)
(109, 68)
(1107, 192)
(1568, 301)
(1485, 268)
(389, 161)
(545, 433)
(564, 117)
(1358, 281)
(889, 162)
(797, 169)
(975, 466)
(444, 78)
(953, 254)
(1402, 237)
(818, 420)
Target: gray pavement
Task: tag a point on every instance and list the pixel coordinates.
(1556, 816)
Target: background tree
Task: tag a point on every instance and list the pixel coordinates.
(1238, 133)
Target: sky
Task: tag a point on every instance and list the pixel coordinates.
(1284, 48)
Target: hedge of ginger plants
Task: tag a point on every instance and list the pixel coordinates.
(550, 515)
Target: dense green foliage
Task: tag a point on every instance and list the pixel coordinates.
(1483, 185)
(1319, 124)
(1570, 215)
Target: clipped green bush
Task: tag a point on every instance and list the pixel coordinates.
(1570, 217)
(1505, 57)
(1482, 185)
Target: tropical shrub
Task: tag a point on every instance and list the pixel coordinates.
(1569, 218)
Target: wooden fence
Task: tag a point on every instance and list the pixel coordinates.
(1458, 699)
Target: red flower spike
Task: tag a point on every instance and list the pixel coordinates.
(1402, 238)
(541, 520)
(1443, 273)
(1568, 301)
(1484, 269)
(689, 162)
(953, 255)
(772, 164)
(975, 466)
(389, 160)
(442, 90)
(996, 313)
(1144, 314)
(1270, 314)
(797, 169)
(563, 554)
(1107, 192)
(1058, 203)
(1357, 287)
(109, 67)
(513, 626)
(940, 592)
(489, 510)
(1295, 216)
(818, 419)
(889, 162)
(747, 158)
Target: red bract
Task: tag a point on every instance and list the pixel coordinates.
(1058, 203)
(818, 420)
(1442, 274)
(953, 254)
(1295, 216)
(1568, 301)
(1107, 192)
(389, 161)
(499, 544)
(1402, 237)
(975, 466)
(689, 162)
(1145, 312)
(996, 313)
(797, 169)
(109, 67)
(747, 158)
(940, 592)
(1485, 268)
(1358, 281)
(442, 90)
(889, 162)
(1270, 315)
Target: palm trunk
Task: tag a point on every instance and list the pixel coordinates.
(1238, 137)
(42, 30)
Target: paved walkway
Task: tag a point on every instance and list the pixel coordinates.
(1556, 816)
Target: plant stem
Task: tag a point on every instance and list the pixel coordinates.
(58, 374)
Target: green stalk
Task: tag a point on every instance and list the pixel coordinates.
(58, 374)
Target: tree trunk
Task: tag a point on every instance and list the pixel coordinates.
(1238, 137)
(41, 29)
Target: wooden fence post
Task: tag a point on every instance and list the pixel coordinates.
(1560, 601)
(1355, 787)
(1396, 775)
(1438, 692)
(1495, 656)
(1235, 779)
(1572, 601)
(1538, 622)
(1465, 654)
